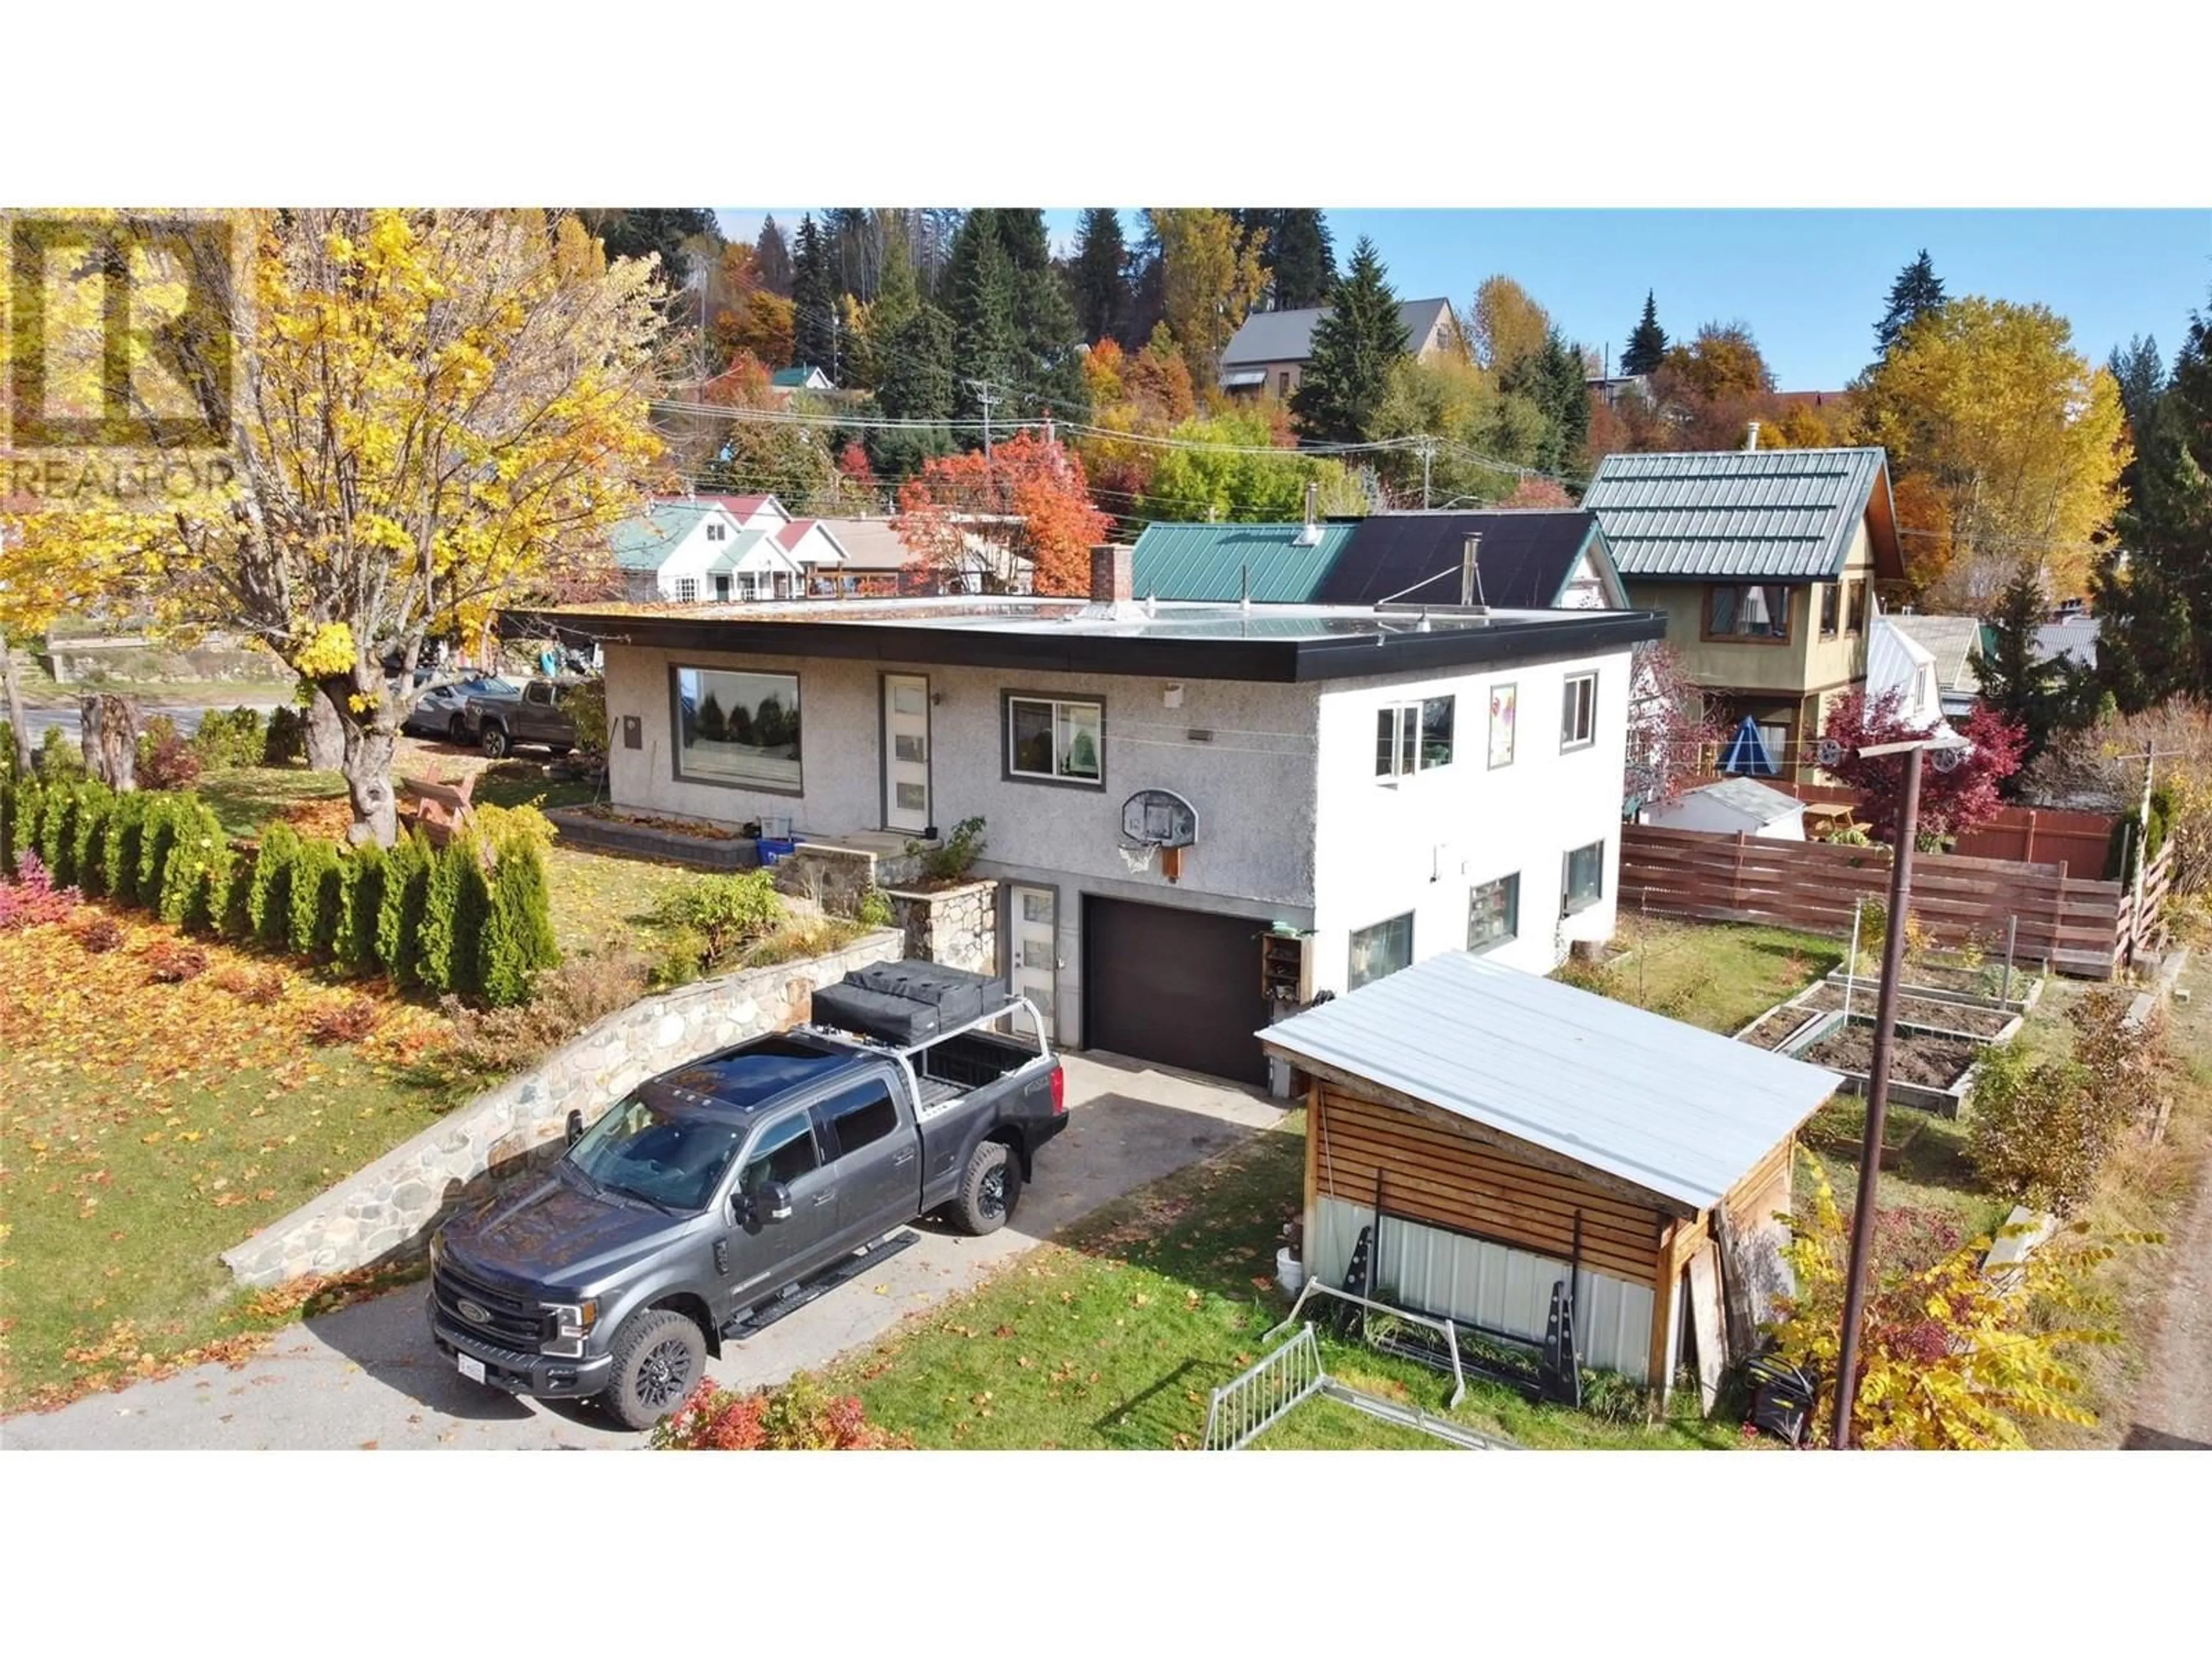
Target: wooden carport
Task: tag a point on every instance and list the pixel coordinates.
(1505, 1133)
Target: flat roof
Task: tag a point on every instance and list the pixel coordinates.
(1267, 643)
(1672, 1108)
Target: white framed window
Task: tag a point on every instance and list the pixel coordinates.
(715, 529)
(1583, 882)
(1493, 913)
(1381, 950)
(1055, 740)
(1578, 712)
(687, 588)
(1413, 737)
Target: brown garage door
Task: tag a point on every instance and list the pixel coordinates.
(1178, 987)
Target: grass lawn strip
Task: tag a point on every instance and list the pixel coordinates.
(1720, 976)
(1113, 1336)
(150, 1126)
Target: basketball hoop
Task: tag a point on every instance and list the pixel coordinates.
(1137, 856)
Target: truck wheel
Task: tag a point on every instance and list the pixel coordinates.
(494, 742)
(659, 1357)
(990, 1189)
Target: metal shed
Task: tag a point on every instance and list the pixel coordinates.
(1734, 806)
(1511, 1133)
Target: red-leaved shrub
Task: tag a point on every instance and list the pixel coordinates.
(348, 1019)
(173, 961)
(797, 1417)
(32, 900)
(94, 930)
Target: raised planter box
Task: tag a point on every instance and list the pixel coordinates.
(1944, 1101)
(2027, 982)
(957, 926)
(580, 828)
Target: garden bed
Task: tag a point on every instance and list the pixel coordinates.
(1928, 1068)
(1970, 1019)
(701, 847)
(1942, 981)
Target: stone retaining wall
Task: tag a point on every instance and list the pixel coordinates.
(956, 926)
(390, 1208)
(720, 853)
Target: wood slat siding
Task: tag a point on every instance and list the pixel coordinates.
(1811, 885)
(1430, 1174)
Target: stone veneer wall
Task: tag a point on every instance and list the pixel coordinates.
(956, 926)
(392, 1206)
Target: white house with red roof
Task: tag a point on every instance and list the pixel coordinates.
(705, 549)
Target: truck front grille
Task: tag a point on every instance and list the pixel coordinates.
(512, 1322)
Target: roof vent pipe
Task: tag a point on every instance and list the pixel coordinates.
(1310, 532)
(1753, 443)
(1244, 588)
(1470, 571)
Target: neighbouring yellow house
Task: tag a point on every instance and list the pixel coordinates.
(1764, 562)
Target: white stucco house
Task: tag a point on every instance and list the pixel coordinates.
(1380, 783)
(707, 548)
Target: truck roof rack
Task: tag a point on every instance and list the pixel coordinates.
(906, 1004)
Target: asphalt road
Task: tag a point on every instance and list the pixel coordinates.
(368, 1376)
(187, 716)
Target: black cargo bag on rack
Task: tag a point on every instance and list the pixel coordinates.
(905, 1003)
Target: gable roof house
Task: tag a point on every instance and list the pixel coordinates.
(1950, 643)
(1525, 559)
(801, 377)
(695, 551)
(1356, 785)
(1764, 562)
(1270, 350)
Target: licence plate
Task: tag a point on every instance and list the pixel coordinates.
(472, 1368)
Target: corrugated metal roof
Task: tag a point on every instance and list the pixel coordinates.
(1779, 513)
(643, 541)
(1207, 561)
(1286, 337)
(1672, 1108)
(1951, 641)
(1750, 797)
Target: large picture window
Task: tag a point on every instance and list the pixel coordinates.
(1748, 613)
(1493, 913)
(1056, 741)
(1383, 948)
(738, 728)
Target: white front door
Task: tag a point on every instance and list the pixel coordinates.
(1033, 926)
(906, 752)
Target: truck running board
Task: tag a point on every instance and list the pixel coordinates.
(792, 1297)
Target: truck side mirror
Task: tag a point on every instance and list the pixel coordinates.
(576, 1126)
(774, 1202)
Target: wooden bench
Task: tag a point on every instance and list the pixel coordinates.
(440, 808)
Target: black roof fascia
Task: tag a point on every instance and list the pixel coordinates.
(1283, 661)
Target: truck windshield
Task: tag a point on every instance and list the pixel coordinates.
(674, 1158)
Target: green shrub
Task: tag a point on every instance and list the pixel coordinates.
(268, 904)
(586, 705)
(197, 845)
(123, 845)
(957, 857)
(157, 839)
(725, 911)
(286, 739)
(360, 898)
(875, 909)
(453, 907)
(55, 841)
(399, 910)
(95, 805)
(516, 943)
(12, 792)
(318, 885)
(230, 891)
(61, 760)
(682, 951)
(7, 750)
(236, 738)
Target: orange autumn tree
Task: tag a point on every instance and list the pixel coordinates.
(1028, 498)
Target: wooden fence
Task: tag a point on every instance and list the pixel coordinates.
(2077, 927)
(2031, 835)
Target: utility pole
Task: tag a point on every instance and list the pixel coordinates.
(983, 396)
(1427, 450)
(1949, 749)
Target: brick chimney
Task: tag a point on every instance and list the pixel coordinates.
(1113, 574)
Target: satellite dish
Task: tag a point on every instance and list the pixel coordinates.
(1829, 751)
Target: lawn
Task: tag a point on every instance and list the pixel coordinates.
(1719, 975)
(1113, 1336)
(148, 1128)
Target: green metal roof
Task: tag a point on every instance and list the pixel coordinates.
(645, 542)
(1783, 514)
(734, 554)
(796, 376)
(1208, 561)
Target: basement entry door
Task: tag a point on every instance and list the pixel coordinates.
(1178, 987)
(906, 752)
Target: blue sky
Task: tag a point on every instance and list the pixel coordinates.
(1810, 282)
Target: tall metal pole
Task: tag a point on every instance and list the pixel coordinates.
(1885, 1027)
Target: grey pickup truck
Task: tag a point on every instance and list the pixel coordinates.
(534, 714)
(715, 1197)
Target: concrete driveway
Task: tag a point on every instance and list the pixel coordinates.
(367, 1375)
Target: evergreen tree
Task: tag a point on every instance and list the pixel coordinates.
(1048, 337)
(980, 299)
(1553, 381)
(1916, 293)
(1299, 256)
(1647, 344)
(773, 256)
(633, 232)
(814, 301)
(897, 293)
(1353, 348)
(2042, 696)
(916, 382)
(2154, 639)
(1101, 273)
